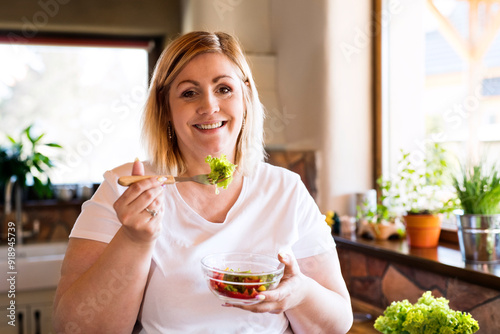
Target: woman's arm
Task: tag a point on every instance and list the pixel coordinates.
(312, 294)
(102, 285)
(326, 307)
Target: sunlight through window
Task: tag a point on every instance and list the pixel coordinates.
(87, 99)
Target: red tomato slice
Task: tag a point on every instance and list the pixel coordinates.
(234, 294)
(249, 280)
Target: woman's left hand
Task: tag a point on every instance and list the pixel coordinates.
(289, 293)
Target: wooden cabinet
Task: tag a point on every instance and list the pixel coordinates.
(33, 314)
(21, 321)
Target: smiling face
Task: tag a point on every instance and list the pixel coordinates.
(206, 104)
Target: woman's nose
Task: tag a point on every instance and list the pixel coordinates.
(209, 104)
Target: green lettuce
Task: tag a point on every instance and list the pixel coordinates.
(221, 171)
(428, 315)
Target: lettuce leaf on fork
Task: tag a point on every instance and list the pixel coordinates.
(221, 171)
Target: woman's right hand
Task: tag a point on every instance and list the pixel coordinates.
(138, 224)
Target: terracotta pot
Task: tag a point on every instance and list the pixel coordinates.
(422, 231)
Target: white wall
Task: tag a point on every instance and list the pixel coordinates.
(299, 35)
(348, 143)
(322, 98)
(248, 20)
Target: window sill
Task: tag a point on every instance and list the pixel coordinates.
(445, 259)
(48, 203)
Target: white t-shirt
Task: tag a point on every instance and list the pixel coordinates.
(274, 212)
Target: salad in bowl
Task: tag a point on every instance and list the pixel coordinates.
(238, 278)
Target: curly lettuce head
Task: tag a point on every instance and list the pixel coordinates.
(428, 315)
(221, 171)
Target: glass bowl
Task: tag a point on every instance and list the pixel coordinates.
(237, 278)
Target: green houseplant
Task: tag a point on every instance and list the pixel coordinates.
(379, 221)
(425, 188)
(424, 194)
(23, 160)
(478, 189)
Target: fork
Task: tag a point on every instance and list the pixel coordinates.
(168, 179)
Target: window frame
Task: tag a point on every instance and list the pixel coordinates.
(152, 43)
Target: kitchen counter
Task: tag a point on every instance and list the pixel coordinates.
(445, 259)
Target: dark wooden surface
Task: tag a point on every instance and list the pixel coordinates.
(364, 317)
(363, 327)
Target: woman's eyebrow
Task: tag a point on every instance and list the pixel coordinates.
(217, 78)
(214, 80)
(196, 83)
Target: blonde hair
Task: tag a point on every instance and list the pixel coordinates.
(156, 127)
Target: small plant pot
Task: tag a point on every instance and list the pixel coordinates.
(422, 231)
(479, 238)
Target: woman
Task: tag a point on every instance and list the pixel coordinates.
(134, 253)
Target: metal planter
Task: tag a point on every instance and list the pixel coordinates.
(479, 238)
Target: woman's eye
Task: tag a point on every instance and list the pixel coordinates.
(188, 94)
(224, 90)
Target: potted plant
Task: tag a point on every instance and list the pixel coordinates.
(379, 221)
(423, 196)
(22, 162)
(478, 189)
(427, 315)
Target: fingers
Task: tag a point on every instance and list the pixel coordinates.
(147, 191)
(288, 293)
(291, 265)
(142, 195)
(155, 207)
(131, 205)
(137, 167)
(139, 224)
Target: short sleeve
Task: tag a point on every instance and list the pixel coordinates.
(98, 220)
(314, 235)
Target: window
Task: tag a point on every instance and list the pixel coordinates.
(86, 95)
(440, 75)
(441, 78)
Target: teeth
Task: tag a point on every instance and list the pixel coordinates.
(209, 126)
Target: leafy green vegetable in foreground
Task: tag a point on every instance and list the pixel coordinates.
(221, 171)
(428, 316)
